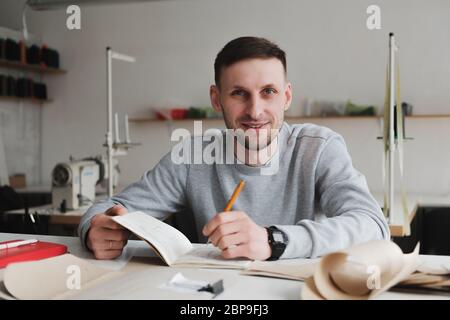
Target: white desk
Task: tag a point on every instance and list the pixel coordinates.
(247, 287)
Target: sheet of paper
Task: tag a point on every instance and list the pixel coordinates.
(149, 284)
(167, 241)
(209, 256)
(52, 278)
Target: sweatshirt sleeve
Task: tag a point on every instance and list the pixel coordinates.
(160, 192)
(351, 214)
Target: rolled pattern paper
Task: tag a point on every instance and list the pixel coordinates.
(360, 272)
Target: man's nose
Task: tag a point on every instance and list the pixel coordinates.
(255, 108)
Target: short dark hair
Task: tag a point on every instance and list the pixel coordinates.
(246, 48)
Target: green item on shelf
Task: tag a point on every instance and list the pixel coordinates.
(352, 109)
(196, 113)
(203, 113)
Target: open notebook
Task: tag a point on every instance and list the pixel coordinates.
(173, 246)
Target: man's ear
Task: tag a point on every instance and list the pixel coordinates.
(214, 95)
(288, 94)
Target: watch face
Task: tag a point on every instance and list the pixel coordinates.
(277, 237)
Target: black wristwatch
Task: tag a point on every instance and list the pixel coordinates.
(278, 241)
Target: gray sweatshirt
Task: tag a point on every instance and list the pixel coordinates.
(316, 196)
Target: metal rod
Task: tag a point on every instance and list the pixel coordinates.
(391, 123)
(109, 129)
(127, 130)
(116, 127)
(123, 57)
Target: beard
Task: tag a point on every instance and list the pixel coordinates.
(254, 140)
(251, 139)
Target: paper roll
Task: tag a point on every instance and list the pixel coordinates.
(361, 272)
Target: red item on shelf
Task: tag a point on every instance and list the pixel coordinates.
(159, 116)
(172, 114)
(179, 113)
(30, 252)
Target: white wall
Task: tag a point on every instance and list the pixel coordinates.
(331, 55)
(20, 126)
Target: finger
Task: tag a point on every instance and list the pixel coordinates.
(107, 254)
(109, 245)
(221, 218)
(230, 240)
(236, 251)
(223, 230)
(116, 210)
(104, 221)
(103, 234)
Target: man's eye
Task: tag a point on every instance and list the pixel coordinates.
(238, 93)
(269, 91)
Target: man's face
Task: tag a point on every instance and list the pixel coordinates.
(253, 96)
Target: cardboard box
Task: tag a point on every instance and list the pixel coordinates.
(18, 181)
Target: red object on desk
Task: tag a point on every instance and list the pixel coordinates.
(30, 252)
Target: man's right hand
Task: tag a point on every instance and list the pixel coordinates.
(106, 238)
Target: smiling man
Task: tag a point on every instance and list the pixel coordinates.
(314, 202)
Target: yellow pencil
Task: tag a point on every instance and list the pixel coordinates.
(233, 198)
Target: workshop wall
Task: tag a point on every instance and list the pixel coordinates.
(331, 56)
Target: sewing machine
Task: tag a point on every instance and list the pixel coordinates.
(74, 182)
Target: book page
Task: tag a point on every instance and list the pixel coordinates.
(209, 256)
(282, 269)
(168, 242)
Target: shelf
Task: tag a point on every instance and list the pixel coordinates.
(29, 67)
(33, 100)
(424, 116)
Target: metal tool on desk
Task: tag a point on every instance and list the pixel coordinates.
(32, 221)
(179, 282)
